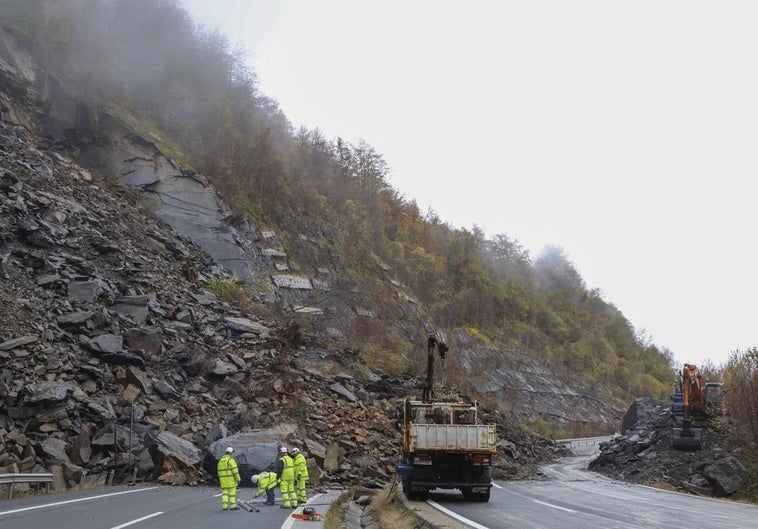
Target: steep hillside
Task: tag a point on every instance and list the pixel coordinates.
(308, 268)
(114, 357)
(117, 262)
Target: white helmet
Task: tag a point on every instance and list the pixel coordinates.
(295, 450)
(229, 449)
(283, 450)
(254, 479)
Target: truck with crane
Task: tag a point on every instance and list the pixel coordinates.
(444, 443)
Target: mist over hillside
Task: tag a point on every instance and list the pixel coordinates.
(141, 98)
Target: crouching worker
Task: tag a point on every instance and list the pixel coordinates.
(267, 483)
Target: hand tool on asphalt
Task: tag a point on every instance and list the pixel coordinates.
(248, 506)
(309, 513)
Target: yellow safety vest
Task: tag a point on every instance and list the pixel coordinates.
(288, 472)
(228, 473)
(301, 466)
(266, 480)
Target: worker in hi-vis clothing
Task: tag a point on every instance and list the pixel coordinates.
(267, 483)
(301, 475)
(228, 478)
(285, 472)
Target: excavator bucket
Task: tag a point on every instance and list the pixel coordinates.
(687, 438)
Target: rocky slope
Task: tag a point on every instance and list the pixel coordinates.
(301, 268)
(114, 357)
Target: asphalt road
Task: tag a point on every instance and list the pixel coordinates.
(147, 507)
(575, 498)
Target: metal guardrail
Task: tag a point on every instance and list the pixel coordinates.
(12, 479)
(584, 445)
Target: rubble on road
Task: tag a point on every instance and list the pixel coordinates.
(644, 455)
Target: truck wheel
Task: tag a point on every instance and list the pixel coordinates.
(410, 494)
(483, 497)
(467, 494)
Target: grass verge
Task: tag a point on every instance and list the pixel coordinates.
(389, 512)
(336, 512)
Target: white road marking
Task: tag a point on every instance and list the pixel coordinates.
(496, 485)
(74, 501)
(554, 506)
(137, 520)
(455, 515)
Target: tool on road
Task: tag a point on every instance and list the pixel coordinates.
(248, 506)
(309, 513)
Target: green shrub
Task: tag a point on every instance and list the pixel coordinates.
(233, 290)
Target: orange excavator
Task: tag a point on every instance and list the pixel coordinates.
(693, 405)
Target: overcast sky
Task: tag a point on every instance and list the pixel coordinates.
(624, 132)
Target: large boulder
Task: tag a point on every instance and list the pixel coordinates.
(81, 449)
(47, 392)
(254, 451)
(726, 475)
(642, 410)
(174, 457)
(54, 450)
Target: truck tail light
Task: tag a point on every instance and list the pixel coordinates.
(480, 460)
(423, 460)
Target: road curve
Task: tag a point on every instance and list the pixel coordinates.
(574, 497)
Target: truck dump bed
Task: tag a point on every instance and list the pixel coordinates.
(453, 437)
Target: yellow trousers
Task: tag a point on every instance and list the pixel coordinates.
(229, 498)
(287, 488)
(300, 491)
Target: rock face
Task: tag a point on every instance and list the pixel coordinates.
(535, 389)
(183, 199)
(643, 454)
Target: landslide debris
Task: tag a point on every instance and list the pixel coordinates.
(114, 358)
(644, 455)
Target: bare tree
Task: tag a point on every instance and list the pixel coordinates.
(741, 385)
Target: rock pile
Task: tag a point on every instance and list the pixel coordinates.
(97, 333)
(644, 454)
(113, 357)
